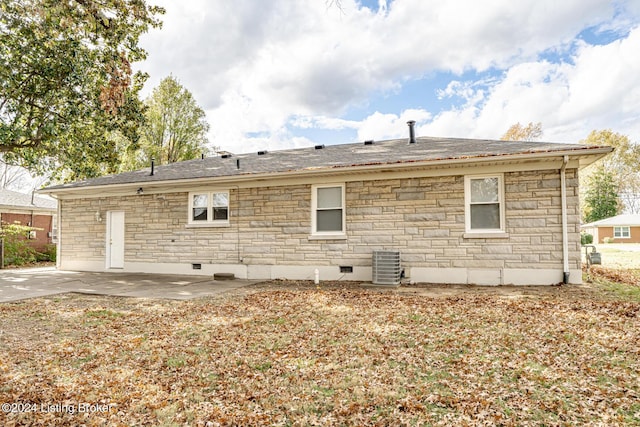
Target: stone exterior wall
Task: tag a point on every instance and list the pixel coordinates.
(424, 218)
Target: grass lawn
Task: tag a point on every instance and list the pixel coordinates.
(626, 256)
(334, 355)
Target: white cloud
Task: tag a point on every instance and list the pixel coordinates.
(388, 126)
(599, 90)
(307, 122)
(263, 67)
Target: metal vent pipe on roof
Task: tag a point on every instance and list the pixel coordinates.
(412, 131)
(152, 165)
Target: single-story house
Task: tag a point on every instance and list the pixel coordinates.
(618, 229)
(456, 210)
(33, 211)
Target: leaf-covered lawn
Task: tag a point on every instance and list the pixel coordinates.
(341, 355)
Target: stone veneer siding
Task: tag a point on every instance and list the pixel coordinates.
(421, 217)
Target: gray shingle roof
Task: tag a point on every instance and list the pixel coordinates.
(618, 220)
(332, 156)
(14, 199)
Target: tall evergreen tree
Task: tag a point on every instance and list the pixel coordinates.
(601, 196)
(622, 164)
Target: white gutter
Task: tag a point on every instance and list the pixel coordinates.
(565, 232)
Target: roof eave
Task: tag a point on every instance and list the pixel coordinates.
(5, 207)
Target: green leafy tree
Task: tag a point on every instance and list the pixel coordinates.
(175, 128)
(601, 196)
(622, 164)
(66, 83)
(517, 132)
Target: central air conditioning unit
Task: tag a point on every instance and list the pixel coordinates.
(386, 268)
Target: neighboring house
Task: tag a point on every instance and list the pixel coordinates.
(30, 210)
(457, 210)
(618, 229)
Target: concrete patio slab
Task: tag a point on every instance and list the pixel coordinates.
(31, 283)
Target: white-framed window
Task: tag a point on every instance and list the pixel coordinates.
(622, 232)
(484, 203)
(209, 208)
(328, 211)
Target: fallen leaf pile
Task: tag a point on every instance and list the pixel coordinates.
(338, 356)
(627, 277)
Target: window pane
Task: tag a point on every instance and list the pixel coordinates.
(621, 232)
(200, 205)
(485, 217)
(330, 197)
(199, 214)
(220, 200)
(220, 214)
(329, 220)
(484, 190)
(200, 201)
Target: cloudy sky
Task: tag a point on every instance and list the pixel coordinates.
(292, 73)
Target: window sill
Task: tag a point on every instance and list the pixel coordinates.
(486, 235)
(221, 224)
(336, 236)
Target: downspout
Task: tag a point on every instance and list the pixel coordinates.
(33, 196)
(565, 232)
(239, 255)
(59, 224)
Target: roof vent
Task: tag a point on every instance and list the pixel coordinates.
(262, 152)
(319, 146)
(226, 155)
(412, 131)
(368, 142)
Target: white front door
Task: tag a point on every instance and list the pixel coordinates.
(115, 239)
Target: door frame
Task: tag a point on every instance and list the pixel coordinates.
(114, 219)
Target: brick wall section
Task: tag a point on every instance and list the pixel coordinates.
(607, 232)
(42, 222)
(422, 217)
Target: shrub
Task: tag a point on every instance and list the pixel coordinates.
(607, 240)
(49, 253)
(586, 239)
(16, 247)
